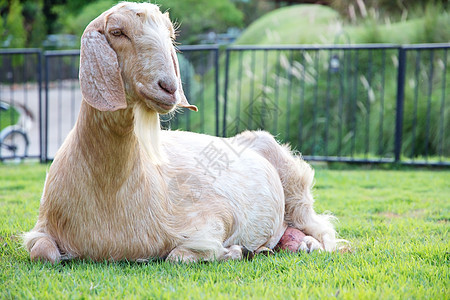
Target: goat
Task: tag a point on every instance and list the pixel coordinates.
(121, 188)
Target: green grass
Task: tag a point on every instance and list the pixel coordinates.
(396, 220)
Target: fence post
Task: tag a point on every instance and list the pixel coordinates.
(41, 116)
(400, 103)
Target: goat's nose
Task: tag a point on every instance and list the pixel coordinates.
(168, 86)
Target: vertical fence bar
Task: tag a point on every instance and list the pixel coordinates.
(262, 121)
(380, 132)
(40, 118)
(239, 93)
(188, 91)
(289, 91)
(400, 103)
(216, 95)
(316, 96)
(416, 101)
(225, 92)
(354, 100)
(60, 98)
(327, 103)
(276, 95)
(252, 88)
(302, 95)
(369, 90)
(25, 79)
(11, 89)
(441, 131)
(73, 75)
(201, 95)
(45, 125)
(341, 75)
(430, 93)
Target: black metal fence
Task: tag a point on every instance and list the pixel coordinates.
(354, 103)
(423, 125)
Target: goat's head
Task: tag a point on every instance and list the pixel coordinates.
(127, 54)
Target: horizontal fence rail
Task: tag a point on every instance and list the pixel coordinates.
(349, 103)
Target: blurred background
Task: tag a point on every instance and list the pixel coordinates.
(356, 81)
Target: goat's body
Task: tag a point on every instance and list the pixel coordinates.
(145, 210)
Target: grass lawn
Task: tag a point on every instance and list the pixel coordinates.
(396, 220)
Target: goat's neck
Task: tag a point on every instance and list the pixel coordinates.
(116, 124)
(111, 151)
(107, 141)
(121, 139)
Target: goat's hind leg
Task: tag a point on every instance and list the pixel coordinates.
(297, 179)
(41, 247)
(300, 211)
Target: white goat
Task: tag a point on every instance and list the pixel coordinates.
(121, 188)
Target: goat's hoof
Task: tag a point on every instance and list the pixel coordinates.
(310, 244)
(291, 240)
(264, 251)
(329, 242)
(181, 256)
(236, 252)
(45, 250)
(247, 254)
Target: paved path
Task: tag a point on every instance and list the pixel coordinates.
(63, 107)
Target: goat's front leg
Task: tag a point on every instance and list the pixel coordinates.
(42, 247)
(204, 242)
(183, 255)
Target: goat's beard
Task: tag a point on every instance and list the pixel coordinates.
(148, 131)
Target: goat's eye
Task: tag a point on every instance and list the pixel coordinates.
(116, 32)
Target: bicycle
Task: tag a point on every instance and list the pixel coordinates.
(14, 141)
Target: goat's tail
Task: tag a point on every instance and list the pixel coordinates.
(297, 178)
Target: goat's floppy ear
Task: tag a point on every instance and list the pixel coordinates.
(100, 79)
(183, 102)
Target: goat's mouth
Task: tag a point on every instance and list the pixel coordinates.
(160, 105)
